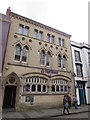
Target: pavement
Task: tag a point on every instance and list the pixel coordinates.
(45, 113)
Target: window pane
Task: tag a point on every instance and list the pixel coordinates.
(24, 54)
(42, 58)
(40, 35)
(48, 59)
(35, 33)
(53, 88)
(21, 27)
(33, 88)
(39, 88)
(77, 56)
(27, 87)
(63, 45)
(59, 41)
(79, 70)
(48, 38)
(65, 88)
(64, 62)
(59, 61)
(52, 39)
(17, 53)
(57, 88)
(62, 88)
(44, 88)
(26, 31)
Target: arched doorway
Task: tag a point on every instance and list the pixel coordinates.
(9, 97)
(11, 91)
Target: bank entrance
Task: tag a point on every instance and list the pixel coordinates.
(9, 97)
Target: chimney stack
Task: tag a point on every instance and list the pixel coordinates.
(8, 11)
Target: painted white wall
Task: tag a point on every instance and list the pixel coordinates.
(85, 68)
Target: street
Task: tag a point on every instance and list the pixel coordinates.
(78, 115)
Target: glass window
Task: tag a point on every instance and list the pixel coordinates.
(44, 88)
(52, 39)
(65, 88)
(26, 31)
(17, 52)
(57, 88)
(35, 33)
(79, 70)
(53, 88)
(27, 88)
(21, 28)
(42, 58)
(64, 62)
(77, 56)
(39, 88)
(59, 41)
(63, 45)
(48, 38)
(24, 54)
(48, 59)
(33, 88)
(62, 88)
(59, 60)
(40, 35)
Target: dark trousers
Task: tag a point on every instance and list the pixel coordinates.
(69, 104)
(64, 108)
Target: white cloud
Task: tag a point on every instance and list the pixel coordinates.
(70, 16)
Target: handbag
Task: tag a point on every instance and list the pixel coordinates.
(66, 105)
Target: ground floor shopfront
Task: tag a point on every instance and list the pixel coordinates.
(46, 89)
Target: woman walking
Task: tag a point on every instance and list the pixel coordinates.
(65, 105)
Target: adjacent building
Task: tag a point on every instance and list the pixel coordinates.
(81, 65)
(4, 27)
(4, 31)
(38, 63)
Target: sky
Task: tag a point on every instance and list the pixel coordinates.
(69, 16)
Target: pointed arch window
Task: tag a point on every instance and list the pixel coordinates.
(59, 60)
(25, 54)
(64, 61)
(18, 52)
(42, 57)
(48, 59)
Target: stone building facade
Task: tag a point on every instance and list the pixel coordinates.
(38, 63)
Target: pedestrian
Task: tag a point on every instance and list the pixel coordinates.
(69, 101)
(75, 102)
(31, 100)
(65, 105)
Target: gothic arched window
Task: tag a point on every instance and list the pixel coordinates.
(48, 59)
(64, 61)
(59, 60)
(25, 54)
(42, 57)
(18, 52)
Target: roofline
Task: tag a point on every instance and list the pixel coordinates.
(12, 14)
(79, 45)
